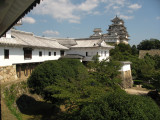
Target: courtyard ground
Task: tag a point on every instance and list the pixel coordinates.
(137, 91)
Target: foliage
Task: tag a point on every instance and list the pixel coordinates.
(134, 50)
(119, 106)
(149, 44)
(47, 73)
(68, 82)
(137, 82)
(146, 70)
(10, 98)
(123, 52)
(106, 73)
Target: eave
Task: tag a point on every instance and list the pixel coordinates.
(11, 11)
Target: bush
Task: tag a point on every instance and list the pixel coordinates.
(148, 86)
(119, 106)
(138, 82)
(153, 94)
(48, 72)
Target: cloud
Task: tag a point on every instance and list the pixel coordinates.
(88, 5)
(116, 7)
(51, 33)
(65, 9)
(58, 9)
(73, 12)
(114, 4)
(126, 17)
(135, 6)
(29, 20)
(158, 17)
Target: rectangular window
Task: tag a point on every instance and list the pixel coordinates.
(49, 53)
(105, 53)
(62, 52)
(86, 53)
(27, 53)
(6, 54)
(40, 53)
(101, 53)
(54, 53)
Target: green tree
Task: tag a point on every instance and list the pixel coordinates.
(149, 44)
(65, 82)
(134, 50)
(68, 82)
(119, 106)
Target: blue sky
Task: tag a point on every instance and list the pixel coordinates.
(78, 18)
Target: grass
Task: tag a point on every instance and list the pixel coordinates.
(10, 98)
(26, 106)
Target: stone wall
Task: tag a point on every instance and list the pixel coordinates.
(15, 72)
(127, 81)
(152, 52)
(8, 73)
(25, 70)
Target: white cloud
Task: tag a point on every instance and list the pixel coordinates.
(29, 20)
(115, 4)
(96, 13)
(158, 17)
(135, 6)
(65, 9)
(130, 11)
(51, 33)
(126, 17)
(88, 5)
(73, 12)
(116, 7)
(58, 9)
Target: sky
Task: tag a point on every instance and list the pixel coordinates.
(78, 18)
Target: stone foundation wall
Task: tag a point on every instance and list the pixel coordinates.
(15, 72)
(8, 73)
(127, 81)
(152, 52)
(24, 70)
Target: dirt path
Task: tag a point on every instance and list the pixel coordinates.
(137, 91)
(5, 112)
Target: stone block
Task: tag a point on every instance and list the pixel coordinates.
(1, 77)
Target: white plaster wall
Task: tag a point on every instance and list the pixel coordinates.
(8, 34)
(16, 55)
(126, 67)
(91, 52)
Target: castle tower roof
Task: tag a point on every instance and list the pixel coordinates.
(117, 28)
(116, 19)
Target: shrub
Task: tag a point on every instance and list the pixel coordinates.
(148, 86)
(153, 94)
(138, 82)
(48, 72)
(119, 106)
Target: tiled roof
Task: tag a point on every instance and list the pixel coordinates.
(76, 56)
(68, 42)
(91, 43)
(20, 38)
(51, 43)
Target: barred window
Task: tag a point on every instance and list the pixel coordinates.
(6, 53)
(54, 53)
(86, 53)
(49, 53)
(40, 53)
(27, 53)
(62, 52)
